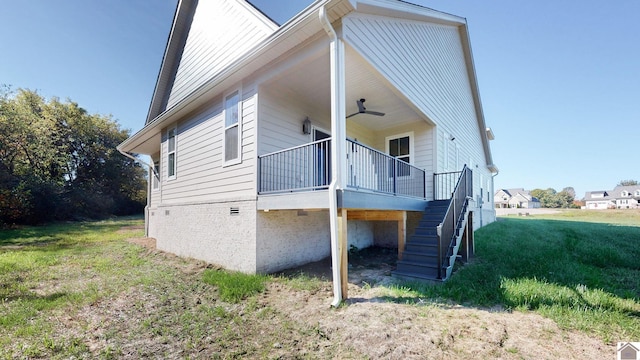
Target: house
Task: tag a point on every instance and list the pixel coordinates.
(626, 197)
(515, 198)
(274, 146)
(621, 197)
(598, 200)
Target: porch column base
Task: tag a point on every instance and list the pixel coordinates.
(342, 251)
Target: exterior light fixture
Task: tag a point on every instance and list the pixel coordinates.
(306, 126)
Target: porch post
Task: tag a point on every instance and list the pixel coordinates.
(338, 163)
(402, 233)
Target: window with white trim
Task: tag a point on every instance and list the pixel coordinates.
(637, 192)
(171, 152)
(232, 132)
(401, 147)
(155, 175)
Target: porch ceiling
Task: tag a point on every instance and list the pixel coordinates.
(309, 82)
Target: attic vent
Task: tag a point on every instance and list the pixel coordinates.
(234, 211)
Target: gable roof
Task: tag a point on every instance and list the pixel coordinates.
(178, 42)
(617, 191)
(290, 35)
(518, 192)
(614, 194)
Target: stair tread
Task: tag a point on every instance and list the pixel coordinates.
(408, 251)
(414, 263)
(420, 239)
(427, 256)
(414, 275)
(422, 244)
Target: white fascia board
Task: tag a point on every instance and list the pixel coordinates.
(473, 80)
(407, 11)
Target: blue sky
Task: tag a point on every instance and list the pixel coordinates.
(559, 80)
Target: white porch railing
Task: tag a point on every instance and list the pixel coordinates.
(308, 167)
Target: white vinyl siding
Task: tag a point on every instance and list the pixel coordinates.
(220, 33)
(203, 176)
(427, 63)
(282, 113)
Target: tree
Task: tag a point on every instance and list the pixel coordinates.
(57, 162)
(628, 183)
(570, 190)
(549, 198)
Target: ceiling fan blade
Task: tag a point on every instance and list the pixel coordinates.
(363, 110)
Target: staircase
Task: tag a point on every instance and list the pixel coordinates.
(445, 226)
(420, 257)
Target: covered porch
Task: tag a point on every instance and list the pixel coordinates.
(299, 177)
(384, 159)
(337, 135)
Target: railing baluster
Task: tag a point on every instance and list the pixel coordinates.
(308, 167)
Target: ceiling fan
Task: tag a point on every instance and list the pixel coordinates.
(363, 110)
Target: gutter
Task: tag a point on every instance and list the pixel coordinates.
(336, 100)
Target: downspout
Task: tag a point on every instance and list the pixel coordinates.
(337, 109)
(153, 172)
(493, 189)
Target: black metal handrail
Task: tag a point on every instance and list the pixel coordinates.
(374, 170)
(308, 167)
(444, 184)
(303, 167)
(450, 225)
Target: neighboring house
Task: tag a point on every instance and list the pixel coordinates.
(515, 198)
(621, 197)
(598, 200)
(266, 158)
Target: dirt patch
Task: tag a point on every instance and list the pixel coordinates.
(377, 326)
(130, 228)
(149, 243)
(367, 267)
(184, 318)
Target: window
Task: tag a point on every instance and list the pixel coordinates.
(155, 176)
(625, 193)
(401, 148)
(171, 153)
(637, 192)
(232, 132)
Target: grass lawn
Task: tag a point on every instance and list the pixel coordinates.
(78, 290)
(579, 268)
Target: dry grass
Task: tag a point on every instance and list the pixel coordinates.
(87, 293)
